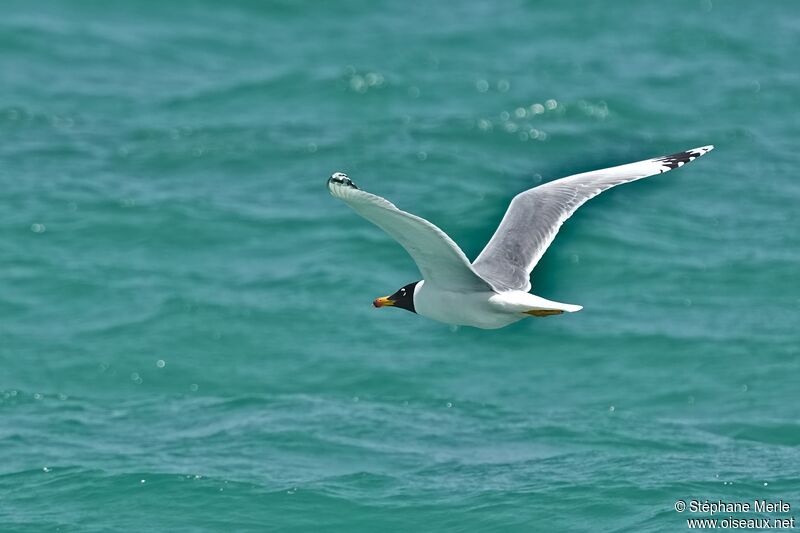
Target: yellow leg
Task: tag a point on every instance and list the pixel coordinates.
(543, 312)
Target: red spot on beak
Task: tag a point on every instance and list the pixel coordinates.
(382, 302)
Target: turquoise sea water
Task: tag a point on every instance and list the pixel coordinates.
(186, 336)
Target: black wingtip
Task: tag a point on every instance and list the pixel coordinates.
(681, 158)
(341, 178)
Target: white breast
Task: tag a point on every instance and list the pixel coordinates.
(474, 309)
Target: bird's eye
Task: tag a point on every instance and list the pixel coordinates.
(403, 292)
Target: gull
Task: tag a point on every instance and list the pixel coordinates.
(492, 291)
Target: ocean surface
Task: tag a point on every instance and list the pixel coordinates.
(187, 341)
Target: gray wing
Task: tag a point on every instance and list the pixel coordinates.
(440, 261)
(535, 216)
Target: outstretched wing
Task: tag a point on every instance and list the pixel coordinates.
(440, 261)
(535, 216)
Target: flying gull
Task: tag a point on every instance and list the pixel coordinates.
(492, 291)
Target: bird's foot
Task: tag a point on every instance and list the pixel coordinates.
(543, 312)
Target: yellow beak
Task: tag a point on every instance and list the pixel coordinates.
(383, 301)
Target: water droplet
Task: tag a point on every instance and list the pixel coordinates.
(142, 481)
(504, 116)
(744, 388)
(537, 109)
(484, 124)
(311, 148)
(37, 396)
(45, 469)
(193, 387)
(135, 376)
(575, 259)
(161, 363)
(482, 86)
(422, 156)
(358, 84)
(503, 85)
(413, 91)
(765, 483)
(449, 404)
(520, 112)
(612, 408)
(551, 104)
(38, 228)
